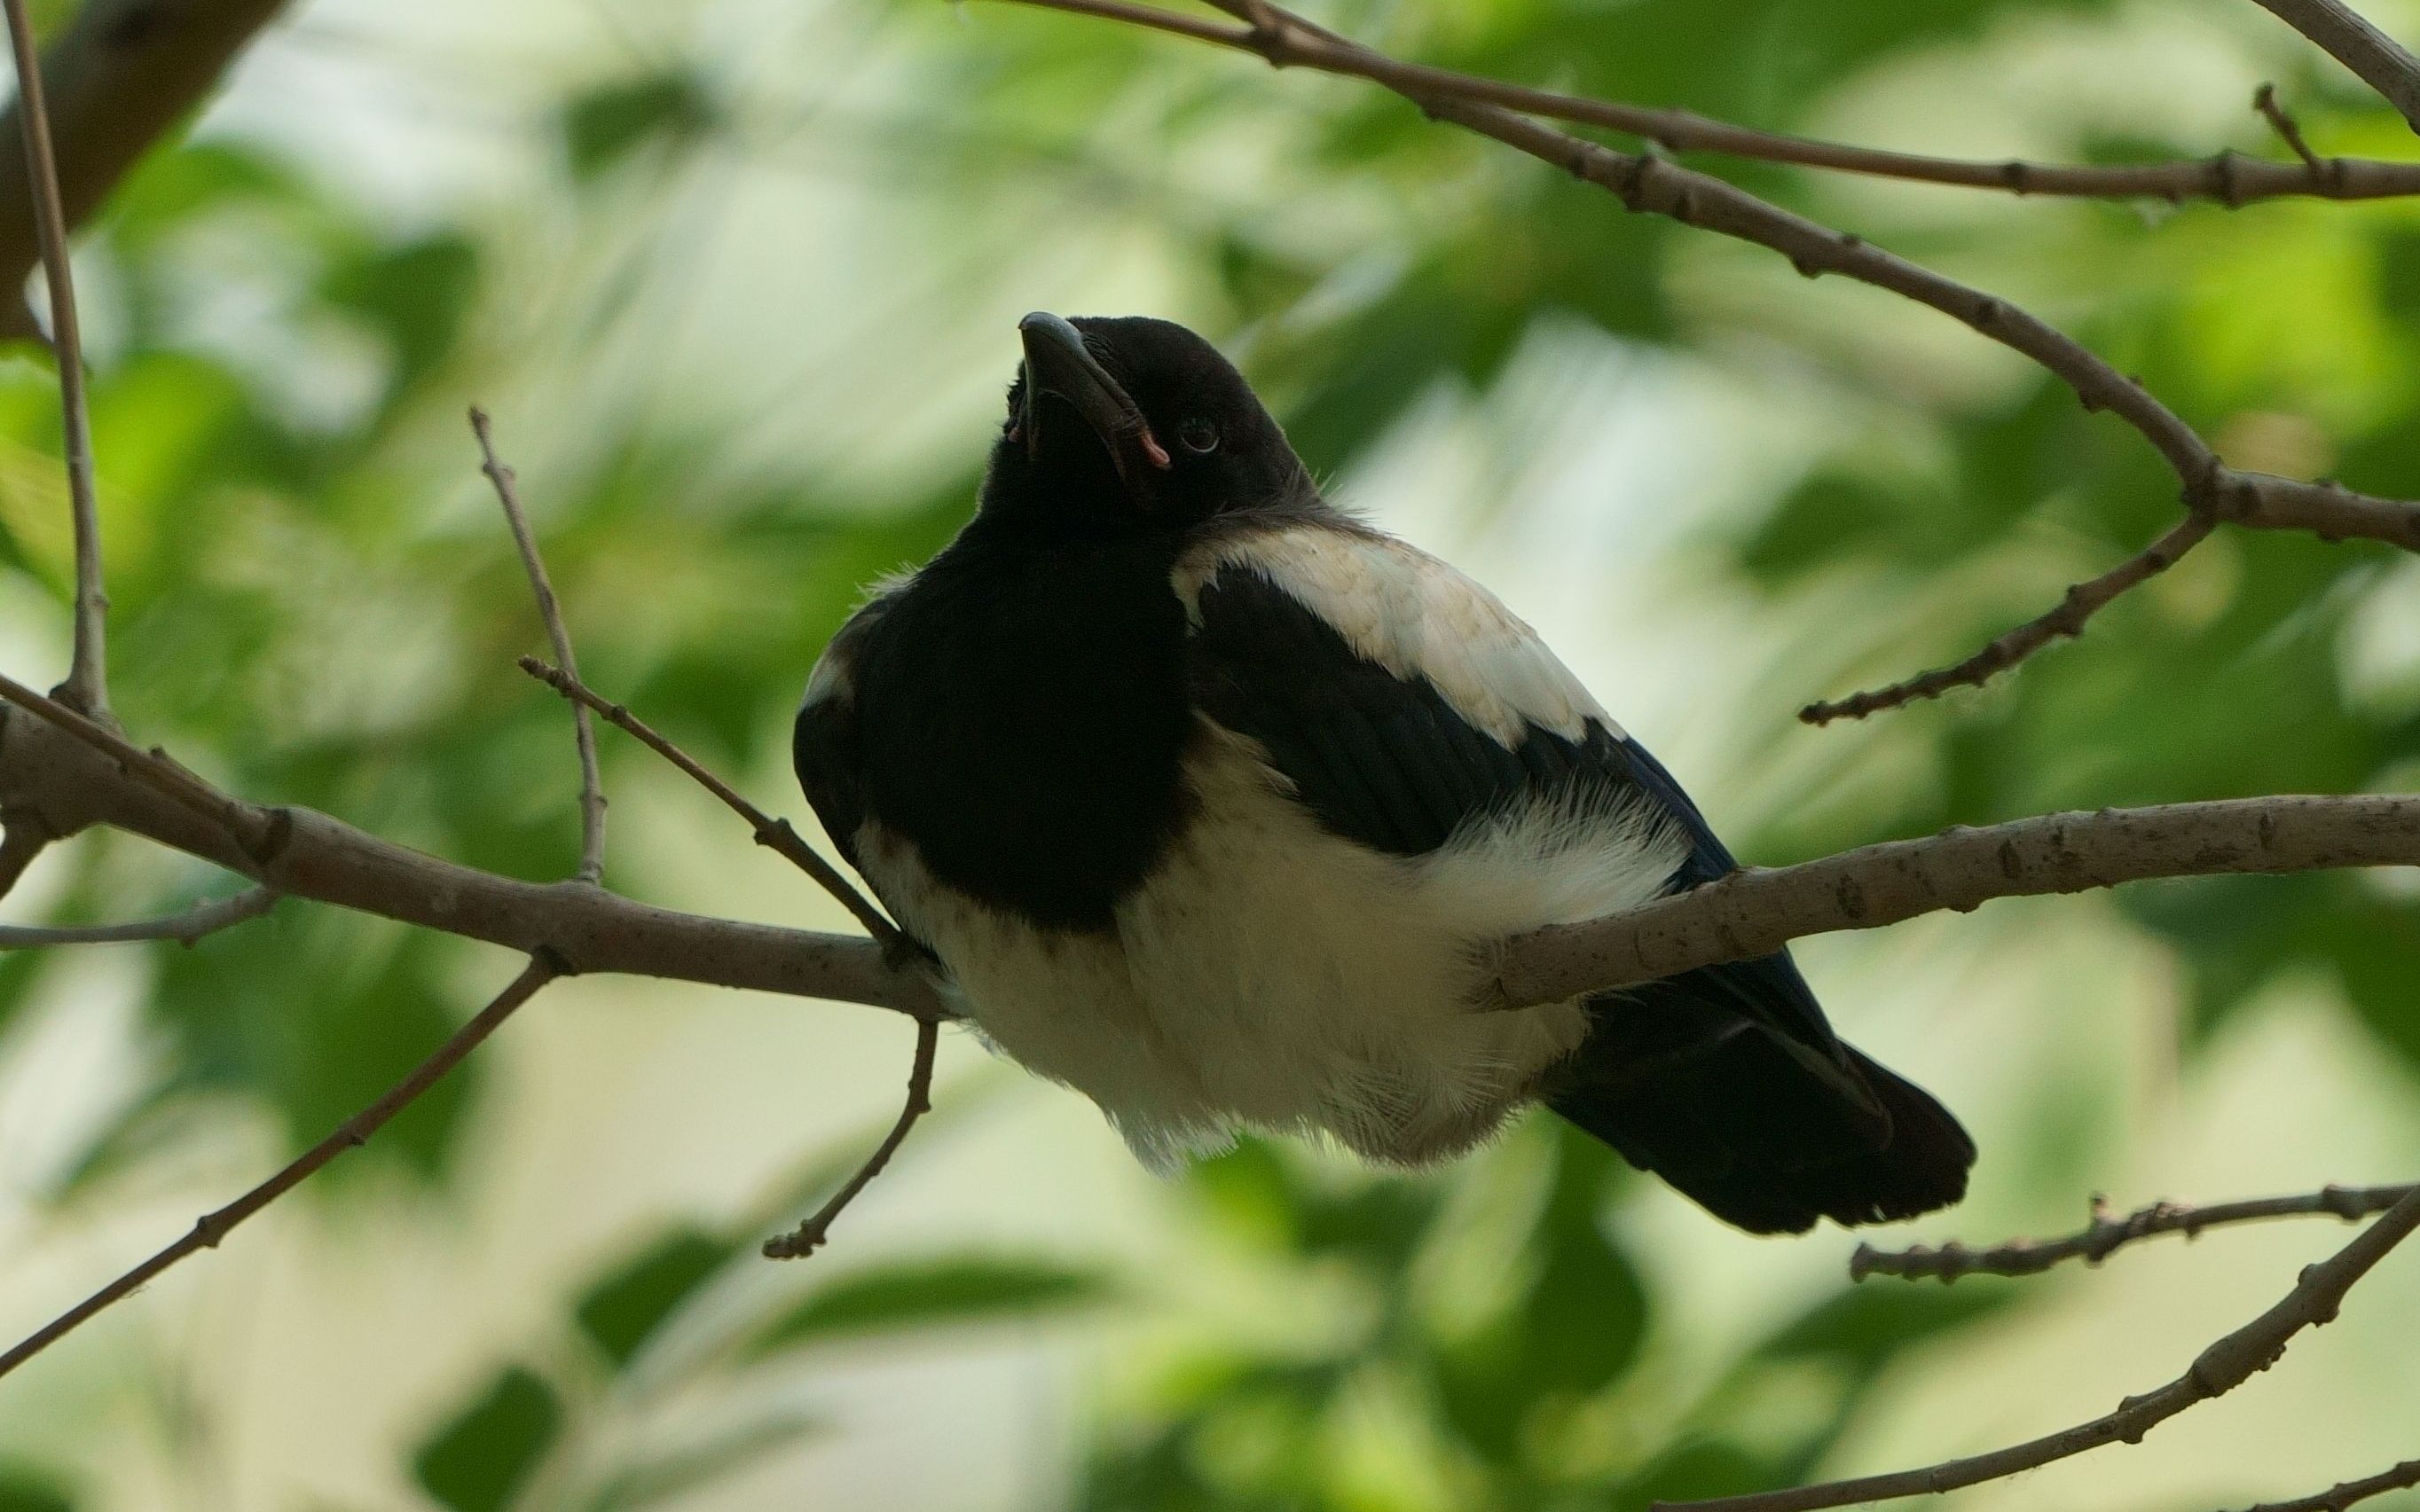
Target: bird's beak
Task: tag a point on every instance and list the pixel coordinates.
(1058, 363)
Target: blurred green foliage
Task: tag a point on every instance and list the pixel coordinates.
(314, 604)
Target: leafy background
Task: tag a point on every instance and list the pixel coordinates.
(738, 279)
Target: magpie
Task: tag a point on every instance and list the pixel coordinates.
(1209, 799)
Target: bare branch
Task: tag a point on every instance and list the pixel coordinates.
(183, 928)
(355, 1131)
(2217, 1371)
(2106, 1233)
(1756, 911)
(122, 75)
(2345, 1494)
(87, 685)
(2377, 59)
(2226, 177)
(2081, 602)
(803, 1240)
(74, 775)
(592, 786)
(1652, 185)
(774, 834)
(2264, 99)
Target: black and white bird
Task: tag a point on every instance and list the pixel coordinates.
(1207, 797)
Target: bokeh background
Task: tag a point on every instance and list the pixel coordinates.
(739, 280)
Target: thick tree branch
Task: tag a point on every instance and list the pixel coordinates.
(73, 782)
(2379, 60)
(1757, 911)
(803, 1240)
(355, 1131)
(87, 685)
(1652, 185)
(774, 834)
(2106, 1233)
(184, 928)
(2081, 602)
(549, 610)
(122, 76)
(2218, 1369)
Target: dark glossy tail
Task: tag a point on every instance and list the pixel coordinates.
(1713, 1104)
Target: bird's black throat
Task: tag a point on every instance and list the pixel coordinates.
(1030, 689)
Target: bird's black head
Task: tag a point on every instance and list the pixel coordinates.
(1126, 424)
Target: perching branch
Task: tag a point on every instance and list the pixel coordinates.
(2377, 59)
(549, 610)
(213, 1226)
(184, 928)
(1652, 185)
(87, 685)
(803, 1240)
(1756, 911)
(2079, 604)
(2107, 1233)
(122, 75)
(774, 834)
(2217, 1371)
(73, 773)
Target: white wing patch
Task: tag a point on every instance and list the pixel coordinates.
(1415, 616)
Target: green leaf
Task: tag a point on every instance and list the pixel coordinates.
(937, 1293)
(624, 1308)
(607, 125)
(26, 1489)
(1862, 1326)
(691, 1468)
(479, 1461)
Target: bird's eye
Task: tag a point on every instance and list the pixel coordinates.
(1199, 434)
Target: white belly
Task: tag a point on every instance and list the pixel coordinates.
(1269, 975)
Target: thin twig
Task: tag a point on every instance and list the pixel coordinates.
(214, 1226)
(252, 827)
(802, 1241)
(2345, 1494)
(87, 688)
(592, 785)
(27, 837)
(2080, 603)
(184, 928)
(2281, 121)
(775, 834)
(2377, 59)
(2218, 1369)
(2106, 1233)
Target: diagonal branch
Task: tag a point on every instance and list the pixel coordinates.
(87, 685)
(1652, 185)
(184, 928)
(1756, 911)
(2377, 59)
(214, 1226)
(2081, 602)
(803, 1240)
(2217, 1371)
(2106, 1233)
(774, 834)
(592, 786)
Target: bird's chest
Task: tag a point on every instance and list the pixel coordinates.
(1034, 716)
